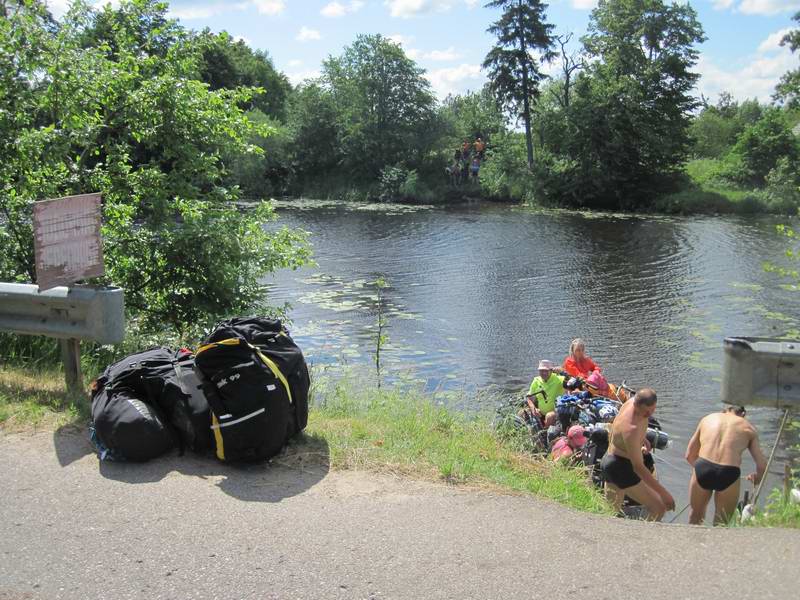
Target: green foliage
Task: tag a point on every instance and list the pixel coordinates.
(230, 64)
(762, 145)
(471, 115)
(624, 136)
(409, 431)
(524, 42)
(788, 89)
(782, 190)
(127, 115)
(505, 174)
(384, 106)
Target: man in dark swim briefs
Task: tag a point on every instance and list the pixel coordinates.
(623, 465)
(715, 451)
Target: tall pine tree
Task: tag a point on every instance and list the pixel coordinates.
(524, 42)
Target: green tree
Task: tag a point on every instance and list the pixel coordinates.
(524, 42)
(626, 131)
(385, 110)
(788, 90)
(130, 118)
(230, 64)
(470, 115)
(763, 144)
(313, 127)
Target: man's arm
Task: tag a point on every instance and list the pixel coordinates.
(758, 456)
(634, 443)
(693, 450)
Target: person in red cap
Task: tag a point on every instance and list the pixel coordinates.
(569, 445)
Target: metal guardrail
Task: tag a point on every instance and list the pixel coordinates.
(761, 372)
(69, 314)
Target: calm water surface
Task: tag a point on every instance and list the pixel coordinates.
(478, 294)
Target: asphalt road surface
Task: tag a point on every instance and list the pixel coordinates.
(186, 527)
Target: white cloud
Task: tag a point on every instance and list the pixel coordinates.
(773, 41)
(294, 63)
(334, 10)
(405, 9)
(298, 77)
(768, 7)
(58, 7)
(758, 7)
(306, 35)
(202, 11)
(756, 79)
(584, 4)
(443, 55)
(269, 7)
(451, 80)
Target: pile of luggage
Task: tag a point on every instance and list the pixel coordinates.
(583, 406)
(242, 395)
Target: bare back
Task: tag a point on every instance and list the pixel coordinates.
(724, 437)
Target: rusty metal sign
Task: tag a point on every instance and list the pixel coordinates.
(67, 240)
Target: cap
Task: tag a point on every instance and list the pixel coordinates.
(545, 365)
(576, 437)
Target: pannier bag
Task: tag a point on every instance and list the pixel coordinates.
(274, 341)
(256, 382)
(146, 403)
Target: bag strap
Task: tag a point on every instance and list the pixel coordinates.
(270, 364)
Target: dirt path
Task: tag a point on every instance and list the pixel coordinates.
(183, 527)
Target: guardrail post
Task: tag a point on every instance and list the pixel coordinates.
(71, 357)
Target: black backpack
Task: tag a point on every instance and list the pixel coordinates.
(256, 381)
(274, 341)
(147, 403)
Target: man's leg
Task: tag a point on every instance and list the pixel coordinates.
(698, 500)
(647, 497)
(725, 503)
(614, 495)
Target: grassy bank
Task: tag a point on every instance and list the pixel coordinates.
(390, 430)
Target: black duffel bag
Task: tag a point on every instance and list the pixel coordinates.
(126, 420)
(147, 403)
(274, 341)
(249, 400)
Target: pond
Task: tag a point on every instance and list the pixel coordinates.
(479, 293)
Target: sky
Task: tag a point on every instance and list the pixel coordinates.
(448, 38)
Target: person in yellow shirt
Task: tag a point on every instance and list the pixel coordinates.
(545, 388)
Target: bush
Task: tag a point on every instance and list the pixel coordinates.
(761, 146)
(782, 191)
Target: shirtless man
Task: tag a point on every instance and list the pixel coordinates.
(623, 465)
(715, 451)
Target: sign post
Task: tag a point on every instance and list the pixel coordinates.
(68, 248)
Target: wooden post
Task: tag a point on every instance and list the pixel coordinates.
(71, 357)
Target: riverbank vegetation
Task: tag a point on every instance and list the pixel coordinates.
(394, 429)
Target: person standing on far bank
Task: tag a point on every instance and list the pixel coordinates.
(715, 453)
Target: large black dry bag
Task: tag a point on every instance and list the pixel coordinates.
(273, 340)
(249, 400)
(145, 403)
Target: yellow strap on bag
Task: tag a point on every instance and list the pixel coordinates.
(215, 426)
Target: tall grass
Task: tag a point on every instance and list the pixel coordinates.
(403, 430)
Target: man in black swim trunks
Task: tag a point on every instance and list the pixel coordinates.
(623, 465)
(715, 451)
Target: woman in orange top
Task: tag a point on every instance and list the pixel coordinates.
(577, 363)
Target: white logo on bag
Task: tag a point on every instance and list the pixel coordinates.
(270, 388)
(223, 382)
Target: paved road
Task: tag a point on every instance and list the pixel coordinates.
(191, 528)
